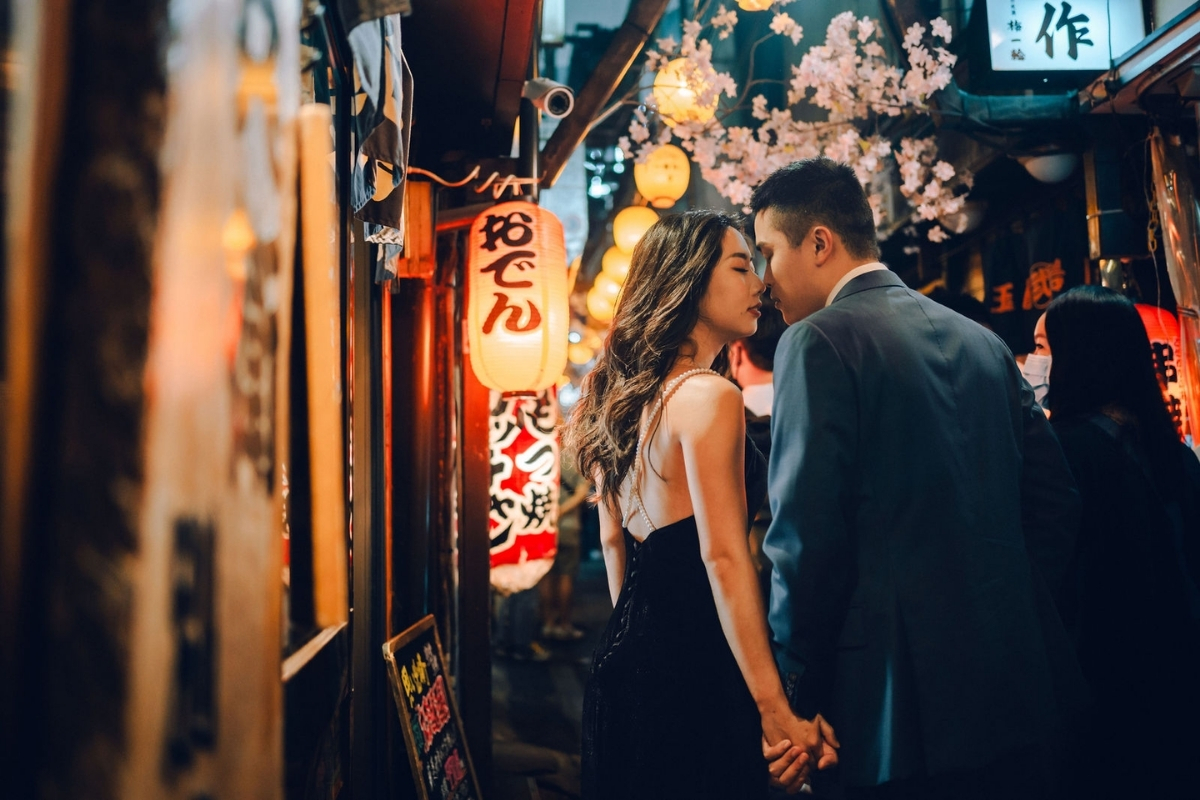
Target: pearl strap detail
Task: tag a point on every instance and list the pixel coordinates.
(635, 497)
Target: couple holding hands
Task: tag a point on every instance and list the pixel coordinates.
(922, 514)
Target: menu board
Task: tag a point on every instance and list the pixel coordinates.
(433, 733)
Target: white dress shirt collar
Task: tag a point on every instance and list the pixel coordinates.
(758, 398)
(851, 275)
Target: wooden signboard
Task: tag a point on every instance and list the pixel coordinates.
(433, 732)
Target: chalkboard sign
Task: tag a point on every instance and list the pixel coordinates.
(433, 733)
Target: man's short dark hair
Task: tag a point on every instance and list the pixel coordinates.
(819, 191)
(760, 347)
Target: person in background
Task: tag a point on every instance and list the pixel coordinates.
(558, 587)
(751, 365)
(1035, 367)
(1132, 602)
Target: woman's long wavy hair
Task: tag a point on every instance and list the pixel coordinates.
(658, 310)
(1102, 361)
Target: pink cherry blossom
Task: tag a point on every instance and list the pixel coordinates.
(850, 79)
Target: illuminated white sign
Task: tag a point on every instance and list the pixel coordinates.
(1044, 36)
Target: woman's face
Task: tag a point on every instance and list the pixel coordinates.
(731, 306)
(1041, 345)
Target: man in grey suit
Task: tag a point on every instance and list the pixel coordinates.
(923, 515)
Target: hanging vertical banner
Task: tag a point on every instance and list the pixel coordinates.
(1163, 329)
(522, 525)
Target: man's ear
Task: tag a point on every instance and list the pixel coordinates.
(822, 243)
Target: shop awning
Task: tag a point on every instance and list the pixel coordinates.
(1161, 57)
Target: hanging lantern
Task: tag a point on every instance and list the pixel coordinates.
(1162, 328)
(607, 286)
(600, 307)
(580, 354)
(677, 90)
(518, 313)
(754, 5)
(631, 224)
(663, 179)
(524, 455)
(615, 263)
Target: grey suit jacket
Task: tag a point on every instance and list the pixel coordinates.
(922, 515)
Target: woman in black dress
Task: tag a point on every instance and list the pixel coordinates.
(1132, 600)
(684, 699)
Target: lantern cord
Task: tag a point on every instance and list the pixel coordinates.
(498, 184)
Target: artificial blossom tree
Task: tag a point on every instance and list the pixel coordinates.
(849, 78)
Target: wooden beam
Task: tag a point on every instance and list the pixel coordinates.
(626, 44)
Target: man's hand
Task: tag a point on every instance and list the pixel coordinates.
(789, 764)
(829, 744)
(816, 740)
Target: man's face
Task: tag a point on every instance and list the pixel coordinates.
(791, 274)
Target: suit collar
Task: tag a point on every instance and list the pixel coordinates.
(870, 280)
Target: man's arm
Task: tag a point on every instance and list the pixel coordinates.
(814, 436)
(1050, 505)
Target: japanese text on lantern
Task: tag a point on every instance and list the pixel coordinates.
(513, 230)
(1162, 329)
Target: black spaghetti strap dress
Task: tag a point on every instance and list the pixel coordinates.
(666, 711)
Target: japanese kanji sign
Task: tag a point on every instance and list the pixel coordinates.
(518, 312)
(433, 735)
(523, 523)
(1042, 36)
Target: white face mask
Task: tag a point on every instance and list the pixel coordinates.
(1036, 370)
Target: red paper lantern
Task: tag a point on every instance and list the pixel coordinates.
(523, 523)
(1163, 329)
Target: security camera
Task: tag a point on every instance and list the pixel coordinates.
(550, 96)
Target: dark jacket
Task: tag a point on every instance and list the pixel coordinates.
(1133, 573)
(922, 511)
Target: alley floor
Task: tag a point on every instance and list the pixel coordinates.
(537, 705)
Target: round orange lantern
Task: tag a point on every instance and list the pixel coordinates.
(615, 262)
(664, 178)
(607, 286)
(580, 354)
(518, 317)
(677, 90)
(631, 224)
(600, 306)
(754, 5)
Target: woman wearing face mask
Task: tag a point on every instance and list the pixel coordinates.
(1132, 603)
(1036, 368)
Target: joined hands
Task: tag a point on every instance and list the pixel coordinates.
(799, 743)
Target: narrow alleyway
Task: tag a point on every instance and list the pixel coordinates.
(537, 706)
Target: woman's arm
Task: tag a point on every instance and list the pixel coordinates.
(711, 429)
(612, 541)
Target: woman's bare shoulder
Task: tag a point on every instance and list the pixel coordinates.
(704, 401)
